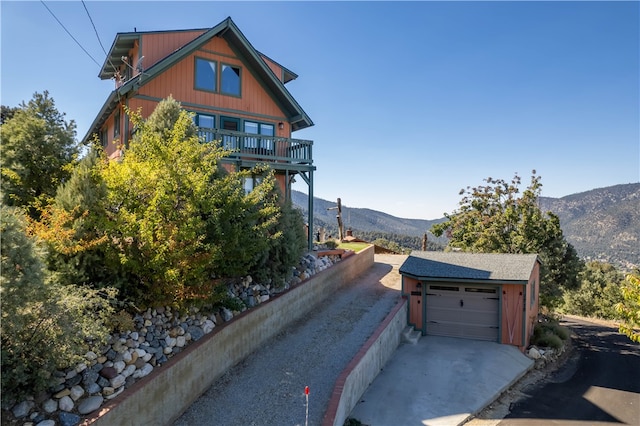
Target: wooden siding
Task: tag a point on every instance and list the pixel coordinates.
(277, 69)
(254, 104)
(513, 297)
(144, 106)
(410, 288)
(155, 46)
(179, 81)
(113, 143)
(532, 310)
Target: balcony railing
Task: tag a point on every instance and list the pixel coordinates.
(260, 147)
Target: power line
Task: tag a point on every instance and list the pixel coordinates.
(96, 31)
(100, 41)
(70, 35)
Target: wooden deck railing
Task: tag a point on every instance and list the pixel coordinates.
(260, 147)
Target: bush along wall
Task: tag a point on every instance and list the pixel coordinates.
(156, 335)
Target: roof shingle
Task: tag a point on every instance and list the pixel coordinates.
(430, 265)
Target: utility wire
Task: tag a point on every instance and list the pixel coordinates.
(70, 35)
(94, 27)
(100, 41)
(97, 35)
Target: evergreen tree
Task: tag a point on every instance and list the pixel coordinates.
(7, 113)
(74, 227)
(44, 325)
(38, 145)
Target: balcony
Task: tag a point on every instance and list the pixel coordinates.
(261, 148)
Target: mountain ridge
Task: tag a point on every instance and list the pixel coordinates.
(602, 224)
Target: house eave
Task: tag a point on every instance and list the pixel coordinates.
(107, 108)
(489, 281)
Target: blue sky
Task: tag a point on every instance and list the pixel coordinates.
(411, 101)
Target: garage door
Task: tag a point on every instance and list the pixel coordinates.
(463, 311)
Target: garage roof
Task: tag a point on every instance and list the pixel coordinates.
(436, 265)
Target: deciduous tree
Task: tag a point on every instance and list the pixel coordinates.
(599, 291)
(497, 218)
(629, 309)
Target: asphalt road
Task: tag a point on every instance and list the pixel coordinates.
(600, 384)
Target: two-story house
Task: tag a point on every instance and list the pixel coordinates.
(237, 95)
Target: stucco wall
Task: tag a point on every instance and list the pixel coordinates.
(161, 397)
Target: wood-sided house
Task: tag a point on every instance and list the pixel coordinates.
(237, 94)
(484, 296)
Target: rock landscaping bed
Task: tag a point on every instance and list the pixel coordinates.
(158, 335)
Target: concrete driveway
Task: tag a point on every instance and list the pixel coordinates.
(439, 381)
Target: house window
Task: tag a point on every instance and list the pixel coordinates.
(230, 76)
(258, 129)
(231, 142)
(206, 126)
(250, 183)
(533, 292)
(116, 124)
(205, 75)
(104, 138)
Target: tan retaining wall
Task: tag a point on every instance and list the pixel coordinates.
(365, 366)
(161, 397)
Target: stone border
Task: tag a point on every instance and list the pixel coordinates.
(162, 396)
(365, 366)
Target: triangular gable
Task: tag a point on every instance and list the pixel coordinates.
(232, 34)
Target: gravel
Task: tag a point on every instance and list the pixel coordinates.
(267, 388)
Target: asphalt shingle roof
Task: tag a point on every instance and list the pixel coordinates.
(469, 266)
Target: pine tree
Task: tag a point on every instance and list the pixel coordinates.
(38, 145)
(44, 325)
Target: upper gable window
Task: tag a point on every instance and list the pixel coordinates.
(205, 78)
(230, 76)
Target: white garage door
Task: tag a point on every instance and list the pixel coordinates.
(463, 311)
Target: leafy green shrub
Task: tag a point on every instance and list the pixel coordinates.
(561, 332)
(331, 244)
(45, 325)
(629, 308)
(548, 340)
(549, 333)
(286, 245)
(121, 321)
(599, 291)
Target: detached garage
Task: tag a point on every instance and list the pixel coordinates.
(483, 296)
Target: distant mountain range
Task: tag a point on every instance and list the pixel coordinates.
(602, 224)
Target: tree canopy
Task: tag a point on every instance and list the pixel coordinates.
(629, 308)
(45, 325)
(166, 223)
(498, 218)
(38, 145)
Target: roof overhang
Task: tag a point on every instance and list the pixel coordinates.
(469, 267)
(297, 117)
(120, 48)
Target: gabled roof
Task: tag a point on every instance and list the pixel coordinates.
(125, 42)
(227, 29)
(287, 74)
(436, 265)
